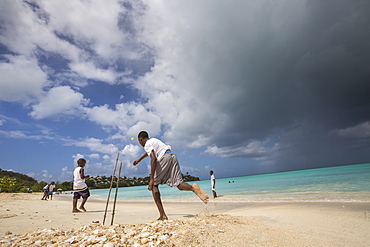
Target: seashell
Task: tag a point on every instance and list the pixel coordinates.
(109, 245)
(103, 239)
(38, 243)
(164, 237)
(5, 241)
(115, 240)
(145, 235)
(144, 241)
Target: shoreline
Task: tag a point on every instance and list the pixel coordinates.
(316, 223)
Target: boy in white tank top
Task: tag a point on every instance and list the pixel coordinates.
(80, 187)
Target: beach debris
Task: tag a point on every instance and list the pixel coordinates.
(158, 233)
(178, 232)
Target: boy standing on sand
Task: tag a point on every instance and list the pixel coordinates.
(165, 169)
(213, 184)
(79, 186)
(51, 189)
(48, 190)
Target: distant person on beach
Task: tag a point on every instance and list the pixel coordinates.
(48, 191)
(80, 187)
(213, 184)
(51, 189)
(165, 169)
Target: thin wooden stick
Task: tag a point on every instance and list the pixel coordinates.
(115, 197)
(110, 189)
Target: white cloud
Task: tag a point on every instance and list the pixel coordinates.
(89, 70)
(359, 131)
(46, 176)
(94, 144)
(18, 134)
(130, 153)
(76, 157)
(22, 80)
(66, 175)
(33, 30)
(59, 101)
(129, 118)
(254, 149)
(94, 156)
(90, 40)
(93, 23)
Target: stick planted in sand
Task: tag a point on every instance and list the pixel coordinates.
(110, 189)
(200, 193)
(115, 197)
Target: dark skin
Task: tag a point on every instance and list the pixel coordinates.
(46, 194)
(82, 206)
(154, 188)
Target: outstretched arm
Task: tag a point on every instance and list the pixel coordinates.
(140, 159)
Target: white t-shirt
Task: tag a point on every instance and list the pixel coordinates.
(51, 187)
(78, 182)
(212, 181)
(158, 146)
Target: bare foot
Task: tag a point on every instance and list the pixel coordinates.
(83, 209)
(163, 218)
(200, 193)
(76, 211)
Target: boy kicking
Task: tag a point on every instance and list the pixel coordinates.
(80, 187)
(165, 169)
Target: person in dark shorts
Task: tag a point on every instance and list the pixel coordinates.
(80, 187)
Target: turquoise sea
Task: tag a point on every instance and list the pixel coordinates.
(349, 183)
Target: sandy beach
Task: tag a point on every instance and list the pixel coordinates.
(25, 217)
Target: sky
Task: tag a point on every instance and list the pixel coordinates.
(238, 87)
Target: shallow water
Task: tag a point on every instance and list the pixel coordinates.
(333, 184)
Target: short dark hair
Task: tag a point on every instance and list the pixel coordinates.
(143, 135)
(81, 161)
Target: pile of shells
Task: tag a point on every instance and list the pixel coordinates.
(151, 234)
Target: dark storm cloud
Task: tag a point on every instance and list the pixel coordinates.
(313, 69)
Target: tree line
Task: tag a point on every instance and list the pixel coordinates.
(16, 182)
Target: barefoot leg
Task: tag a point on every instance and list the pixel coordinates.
(200, 193)
(157, 199)
(82, 206)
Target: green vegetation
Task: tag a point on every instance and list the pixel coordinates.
(16, 182)
(20, 181)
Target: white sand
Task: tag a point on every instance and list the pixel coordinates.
(226, 224)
